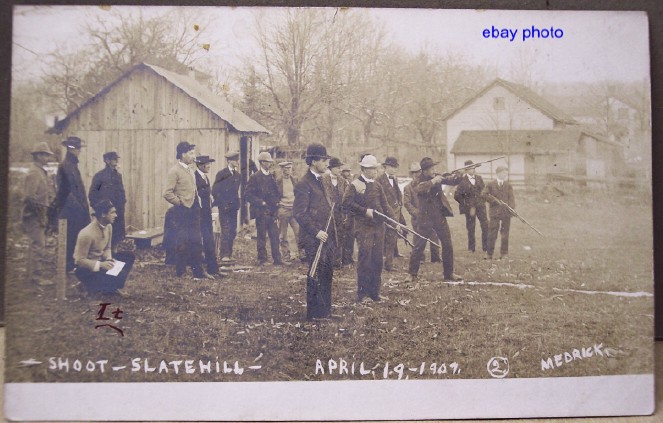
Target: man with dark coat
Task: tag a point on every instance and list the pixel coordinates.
(337, 185)
(226, 197)
(204, 188)
(363, 199)
(389, 184)
(263, 195)
(347, 226)
(39, 193)
(435, 209)
(312, 209)
(472, 204)
(71, 199)
(180, 191)
(107, 185)
(500, 217)
(411, 204)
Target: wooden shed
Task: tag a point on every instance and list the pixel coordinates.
(143, 115)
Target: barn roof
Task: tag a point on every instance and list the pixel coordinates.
(213, 102)
(522, 141)
(526, 94)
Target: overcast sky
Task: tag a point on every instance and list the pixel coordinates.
(595, 45)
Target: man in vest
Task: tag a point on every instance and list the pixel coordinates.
(286, 185)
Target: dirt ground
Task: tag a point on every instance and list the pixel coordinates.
(545, 309)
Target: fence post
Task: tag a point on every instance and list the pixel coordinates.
(61, 262)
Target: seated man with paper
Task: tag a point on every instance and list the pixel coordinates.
(95, 266)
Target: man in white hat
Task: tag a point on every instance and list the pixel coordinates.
(39, 194)
(363, 197)
(263, 195)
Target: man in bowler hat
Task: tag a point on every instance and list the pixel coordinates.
(71, 199)
(203, 164)
(226, 198)
(263, 195)
(472, 204)
(434, 210)
(389, 184)
(107, 185)
(180, 191)
(312, 209)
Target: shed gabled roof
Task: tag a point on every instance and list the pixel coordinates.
(523, 141)
(526, 94)
(213, 102)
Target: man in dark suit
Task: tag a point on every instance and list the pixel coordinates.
(180, 191)
(226, 197)
(389, 184)
(312, 208)
(337, 185)
(411, 204)
(347, 226)
(107, 185)
(500, 217)
(472, 204)
(70, 198)
(206, 229)
(263, 195)
(435, 209)
(363, 198)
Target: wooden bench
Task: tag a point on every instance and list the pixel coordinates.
(147, 238)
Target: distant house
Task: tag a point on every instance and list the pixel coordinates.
(536, 155)
(537, 138)
(143, 115)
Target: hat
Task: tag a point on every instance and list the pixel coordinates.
(468, 162)
(265, 157)
(102, 207)
(427, 163)
(42, 147)
(369, 161)
(111, 155)
(346, 168)
(335, 162)
(73, 142)
(501, 169)
(232, 154)
(284, 164)
(204, 160)
(390, 161)
(318, 151)
(183, 148)
(415, 167)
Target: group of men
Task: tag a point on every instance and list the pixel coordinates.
(91, 241)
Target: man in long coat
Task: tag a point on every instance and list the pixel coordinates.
(411, 204)
(263, 195)
(472, 204)
(107, 185)
(204, 188)
(181, 192)
(39, 193)
(435, 209)
(363, 198)
(226, 197)
(500, 216)
(389, 184)
(71, 199)
(312, 209)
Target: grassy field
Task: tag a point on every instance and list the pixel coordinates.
(525, 309)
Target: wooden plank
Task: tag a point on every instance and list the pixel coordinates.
(61, 262)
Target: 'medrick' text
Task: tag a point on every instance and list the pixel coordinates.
(568, 357)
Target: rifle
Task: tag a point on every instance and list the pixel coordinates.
(314, 266)
(400, 225)
(514, 213)
(399, 234)
(474, 165)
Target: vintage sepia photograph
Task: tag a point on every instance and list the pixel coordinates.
(328, 213)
